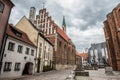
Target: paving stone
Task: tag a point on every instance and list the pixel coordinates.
(63, 74)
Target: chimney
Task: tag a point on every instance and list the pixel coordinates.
(32, 14)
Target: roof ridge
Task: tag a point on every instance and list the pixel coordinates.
(23, 38)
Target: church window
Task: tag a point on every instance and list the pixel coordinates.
(65, 54)
(119, 13)
(60, 50)
(49, 30)
(1, 7)
(41, 16)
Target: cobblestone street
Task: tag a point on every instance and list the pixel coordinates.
(51, 75)
(62, 74)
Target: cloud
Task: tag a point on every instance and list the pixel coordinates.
(83, 39)
(84, 18)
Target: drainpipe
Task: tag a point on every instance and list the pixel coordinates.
(36, 52)
(2, 50)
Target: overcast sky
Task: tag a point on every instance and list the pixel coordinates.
(84, 18)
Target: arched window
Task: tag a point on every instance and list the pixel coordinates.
(1, 7)
(119, 13)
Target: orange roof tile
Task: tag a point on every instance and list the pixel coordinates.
(84, 55)
(11, 31)
(62, 34)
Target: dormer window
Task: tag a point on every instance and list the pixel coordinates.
(1, 7)
(19, 34)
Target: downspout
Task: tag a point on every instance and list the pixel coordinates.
(36, 53)
(3, 49)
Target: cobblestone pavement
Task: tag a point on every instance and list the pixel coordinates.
(51, 75)
(100, 75)
(62, 74)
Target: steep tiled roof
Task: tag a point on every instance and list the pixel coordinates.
(63, 34)
(18, 34)
(60, 31)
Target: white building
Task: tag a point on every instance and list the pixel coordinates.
(44, 51)
(48, 54)
(19, 54)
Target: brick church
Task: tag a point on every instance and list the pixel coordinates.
(64, 48)
(112, 35)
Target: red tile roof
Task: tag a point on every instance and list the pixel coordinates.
(84, 55)
(62, 33)
(11, 31)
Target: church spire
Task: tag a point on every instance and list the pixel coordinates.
(64, 24)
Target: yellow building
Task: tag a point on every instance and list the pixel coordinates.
(44, 47)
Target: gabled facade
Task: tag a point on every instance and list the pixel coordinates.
(112, 35)
(19, 54)
(64, 49)
(44, 46)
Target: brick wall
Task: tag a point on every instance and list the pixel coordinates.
(112, 35)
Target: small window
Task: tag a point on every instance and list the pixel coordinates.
(40, 44)
(7, 66)
(49, 30)
(11, 46)
(17, 67)
(20, 48)
(39, 52)
(32, 52)
(27, 51)
(1, 7)
(18, 34)
(41, 16)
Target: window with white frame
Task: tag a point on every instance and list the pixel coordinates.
(17, 67)
(20, 48)
(11, 46)
(32, 52)
(7, 66)
(27, 51)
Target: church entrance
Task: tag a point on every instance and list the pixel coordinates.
(28, 69)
